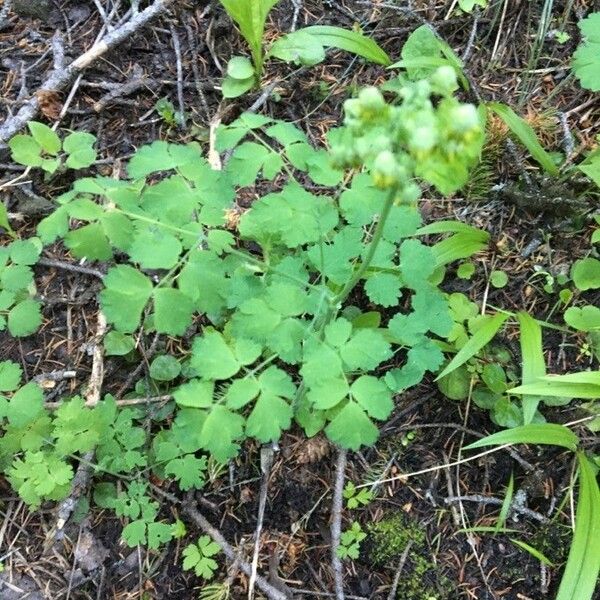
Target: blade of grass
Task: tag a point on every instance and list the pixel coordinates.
(526, 135)
(482, 336)
(572, 385)
(351, 41)
(505, 505)
(583, 564)
(550, 434)
(532, 357)
(533, 551)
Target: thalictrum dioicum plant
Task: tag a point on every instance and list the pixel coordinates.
(267, 302)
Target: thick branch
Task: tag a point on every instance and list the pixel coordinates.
(58, 79)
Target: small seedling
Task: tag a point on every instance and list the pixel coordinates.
(198, 557)
(350, 542)
(43, 148)
(357, 497)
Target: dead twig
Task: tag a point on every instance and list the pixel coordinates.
(121, 403)
(6, 7)
(336, 524)
(179, 66)
(401, 564)
(190, 510)
(514, 508)
(266, 462)
(83, 474)
(136, 81)
(58, 79)
(58, 264)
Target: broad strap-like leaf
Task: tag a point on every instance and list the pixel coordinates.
(583, 564)
(550, 434)
(306, 45)
(572, 385)
(532, 360)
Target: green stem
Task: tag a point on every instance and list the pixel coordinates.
(366, 263)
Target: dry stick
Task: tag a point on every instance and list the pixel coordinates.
(136, 81)
(514, 507)
(401, 564)
(57, 80)
(188, 509)
(4, 12)
(179, 66)
(467, 51)
(58, 264)
(196, 71)
(266, 462)
(120, 403)
(336, 524)
(83, 474)
(297, 8)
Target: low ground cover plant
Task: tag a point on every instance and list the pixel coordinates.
(314, 307)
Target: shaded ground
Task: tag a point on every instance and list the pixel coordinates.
(528, 234)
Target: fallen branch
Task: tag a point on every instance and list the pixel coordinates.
(82, 476)
(189, 509)
(266, 462)
(336, 524)
(401, 564)
(58, 79)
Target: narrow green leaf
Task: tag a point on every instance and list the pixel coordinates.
(573, 385)
(549, 434)
(532, 358)
(483, 335)
(533, 551)
(526, 135)
(505, 505)
(4, 221)
(350, 41)
(583, 564)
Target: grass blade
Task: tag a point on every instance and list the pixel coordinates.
(526, 135)
(460, 245)
(532, 357)
(481, 337)
(450, 227)
(351, 41)
(533, 551)
(573, 385)
(583, 564)
(549, 434)
(505, 505)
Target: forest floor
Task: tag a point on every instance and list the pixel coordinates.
(512, 55)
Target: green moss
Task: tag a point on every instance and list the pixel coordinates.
(553, 541)
(421, 578)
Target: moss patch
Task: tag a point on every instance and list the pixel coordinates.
(421, 578)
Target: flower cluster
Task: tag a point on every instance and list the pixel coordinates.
(425, 132)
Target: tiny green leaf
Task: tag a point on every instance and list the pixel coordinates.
(45, 137)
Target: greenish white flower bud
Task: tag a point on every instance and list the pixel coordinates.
(385, 170)
(464, 118)
(371, 99)
(444, 79)
(422, 139)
